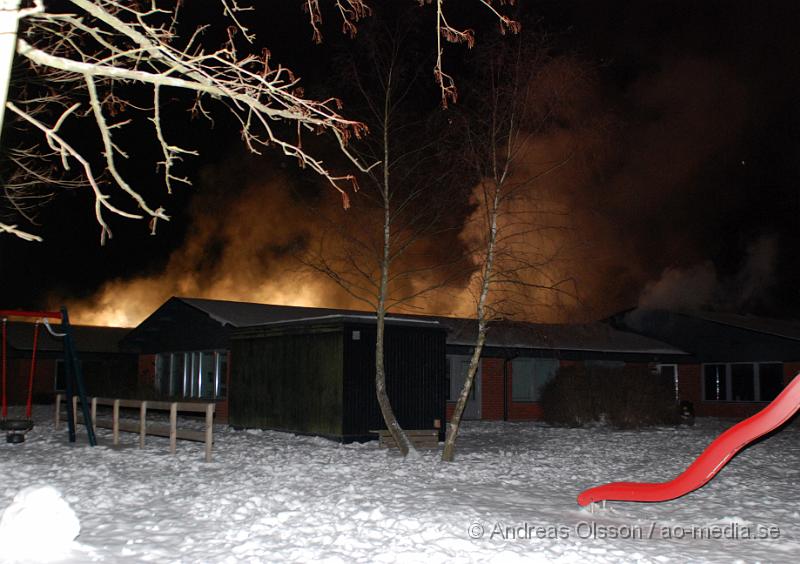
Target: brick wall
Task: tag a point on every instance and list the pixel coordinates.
(689, 379)
(147, 372)
(492, 389)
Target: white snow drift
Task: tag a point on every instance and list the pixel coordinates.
(509, 497)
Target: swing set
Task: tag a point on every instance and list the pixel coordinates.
(16, 428)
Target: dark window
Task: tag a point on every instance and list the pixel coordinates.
(163, 372)
(447, 369)
(743, 382)
(715, 384)
(528, 377)
(176, 376)
(770, 380)
(192, 374)
(222, 382)
(670, 372)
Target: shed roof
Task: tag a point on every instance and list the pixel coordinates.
(246, 314)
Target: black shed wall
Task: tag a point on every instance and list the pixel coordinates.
(287, 380)
(415, 369)
(317, 378)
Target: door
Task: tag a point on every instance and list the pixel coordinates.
(459, 366)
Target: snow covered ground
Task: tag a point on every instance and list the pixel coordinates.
(272, 496)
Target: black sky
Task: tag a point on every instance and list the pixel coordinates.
(700, 152)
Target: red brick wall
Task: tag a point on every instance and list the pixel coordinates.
(728, 409)
(147, 371)
(689, 380)
(492, 389)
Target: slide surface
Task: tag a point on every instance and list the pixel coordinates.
(711, 461)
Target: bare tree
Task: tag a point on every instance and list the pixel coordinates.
(496, 139)
(352, 11)
(92, 47)
(379, 255)
(85, 58)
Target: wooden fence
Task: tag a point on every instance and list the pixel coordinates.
(142, 427)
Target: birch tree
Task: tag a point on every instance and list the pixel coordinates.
(495, 138)
(381, 258)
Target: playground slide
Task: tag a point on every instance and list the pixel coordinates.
(711, 461)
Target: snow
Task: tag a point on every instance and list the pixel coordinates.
(271, 496)
(34, 509)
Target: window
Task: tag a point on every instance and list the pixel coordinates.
(528, 377)
(670, 372)
(715, 381)
(742, 381)
(199, 374)
(770, 380)
(448, 392)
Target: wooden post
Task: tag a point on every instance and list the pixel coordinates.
(173, 427)
(94, 411)
(115, 422)
(75, 412)
(57, 421)
(142, 423)
(209, 430)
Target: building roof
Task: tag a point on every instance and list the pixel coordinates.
(717, 336)
(776, 327)
(87, 338)
(598, 337)
(508, 334)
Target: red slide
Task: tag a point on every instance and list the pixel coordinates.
(711, 461)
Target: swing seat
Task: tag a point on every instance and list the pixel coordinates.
(23, 425)
(16, 429)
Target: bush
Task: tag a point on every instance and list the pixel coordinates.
(626, 397)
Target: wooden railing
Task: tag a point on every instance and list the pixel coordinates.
(142, 427)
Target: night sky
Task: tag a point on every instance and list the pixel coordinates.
(682, 116)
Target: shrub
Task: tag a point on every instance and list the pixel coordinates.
(626, 397)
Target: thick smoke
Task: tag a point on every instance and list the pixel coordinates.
(628, 209)
(701, 287)
(245, 227)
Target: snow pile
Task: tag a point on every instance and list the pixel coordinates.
(39, 525)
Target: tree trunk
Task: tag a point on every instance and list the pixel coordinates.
(455, 422)
(399, 436)
(486, 277)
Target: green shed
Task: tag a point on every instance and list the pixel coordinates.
(317, 376)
